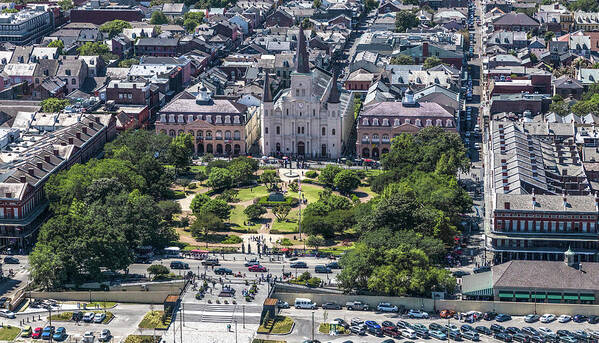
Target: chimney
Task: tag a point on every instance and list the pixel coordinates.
(425, 49)
(506, 205)
(70, 140)
(91, 125)
(98, 120)
(565, 200)
(9, 195)
(40, 165)
(78, 135)
(31, 172)
(134, 86)
(84, 129)
(534, 200)
(23, 179)
(55, 152)
(47, 158)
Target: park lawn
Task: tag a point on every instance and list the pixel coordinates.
(336, 250)
(238, 217)
(9, 333)
(153, 320)
(248, 193)
(310, 192)
(142, 339)
(280, 325)
(289, 225)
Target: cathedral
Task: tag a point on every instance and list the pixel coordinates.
(309, 119)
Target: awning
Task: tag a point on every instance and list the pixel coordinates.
(481, 292)
(587, 297)
(522, 296)
(506, 295)
(554, 296)
(539, 296)
(570, 297)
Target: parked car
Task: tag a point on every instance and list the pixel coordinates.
(547, 332)
(211, 262)
(386, 307)
(26, 332)
(419, 326)
(99, 317)
(251, 262)
(391, 332)
(358, 330)
(357, 305)
(331, 306)
(7, 314)
(489, 315)
(455, 335)
(179, 265)
(503, 317)
(564, 318)
(88, 317)
(561, 333)
(223, 271)
(11, 260)
(37, 333)
(298, 264)
(513, 330)
(447, 313)
(60, 334)
(484, 330)
(567, 339)
(257, 268)
(356, 321)
(105, 335)
(402, 324)
(579, 318)
(435, 326)
(88, 337)
(47, 332)
(373, 328)
(417, 314)
(581, 334)
(593, 319)
(497, 328)
(531, 318)
(471, 335)
(502, 336)
(460, 273)
(520, 337)
(408, 333)
(422, 333)
(481, 269)
(322, 269)
(282, 304)
(466, 327)
(438, 335)
(547, 318)
(333, 265)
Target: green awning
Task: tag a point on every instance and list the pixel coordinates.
(506, 295)
(587, 297)
(488, 292)
(522, 295)
(570, 297)
(539, 296)
(554, 296)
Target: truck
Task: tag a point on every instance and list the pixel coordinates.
(357, 305)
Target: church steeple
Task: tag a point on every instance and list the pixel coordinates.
(302, 63)
(267, 94)
(334, 93)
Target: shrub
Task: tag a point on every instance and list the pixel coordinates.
(311, 174)
(285, 241)
(232, 239)
(192, 185)
(288, 201)
(313, 282)
(173, 195)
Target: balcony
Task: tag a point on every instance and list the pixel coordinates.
(365, 141)
(208, 138)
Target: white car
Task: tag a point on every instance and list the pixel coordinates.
(386, 307)
(88, 337)
(547, 318)
(546, 332)
(105, 336)
(7, 314)
(408, 333)
(417, 314)
(564, 318)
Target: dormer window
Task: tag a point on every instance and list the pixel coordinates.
(439, 122)
(375, 122)
(365, 121)
(396, 122)
(449, 123)
(418, 122)
(407, 121)
(385, 122)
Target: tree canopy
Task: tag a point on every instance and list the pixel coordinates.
(403, 59)
(405, 20)
(54, 104)
(158, 18)
(114, 27)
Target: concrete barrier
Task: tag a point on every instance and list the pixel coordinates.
(430, 305)
(140, 297)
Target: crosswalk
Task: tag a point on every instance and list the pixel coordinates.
(222, 313)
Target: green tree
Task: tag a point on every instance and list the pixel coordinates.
(205, 224)
(559, 107)
(584, 5)
(46, 267)
(57, 43)
(281, 211)
(52, 105)
(93, 49)
(315, 241)
(294, 186)
(114, 27)
(316, 3)
(549, 36)
(158, 269)
(327, 175)
(270, 179)
(217, 207)
(403, 60)
(158, 18)
(220, 178)
(242, 169)
(346, 181)
(431, 62)
(405, 20)
(254, 211)
(199, 200)
(168, 209)
(127, 63)
(66, 5)
(180, 151)
(371, 5)
(190, 25)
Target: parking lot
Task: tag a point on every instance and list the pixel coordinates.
(304, 324)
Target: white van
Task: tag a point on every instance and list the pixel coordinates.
(304, 303)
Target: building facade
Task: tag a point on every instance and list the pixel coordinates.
(26, 26)
(305, 120)
(217, 125)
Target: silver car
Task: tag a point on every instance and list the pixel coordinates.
(105, 336)
(99, 317)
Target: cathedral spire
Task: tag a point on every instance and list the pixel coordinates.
(302, 63)
(267, 94)
(334, 93)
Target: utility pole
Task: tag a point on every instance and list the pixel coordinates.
(50, 319)
(181, 326)
(312, 325)
(448, 329)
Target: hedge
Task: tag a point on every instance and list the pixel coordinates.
(311, 174)
(288, 201)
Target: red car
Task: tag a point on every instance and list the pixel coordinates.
(37, 333)
(257, 268)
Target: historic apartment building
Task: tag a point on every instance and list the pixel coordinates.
(26, 26)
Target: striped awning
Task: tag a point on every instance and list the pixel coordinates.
(480, 292)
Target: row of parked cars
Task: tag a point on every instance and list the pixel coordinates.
(60, 334)
(89, 317)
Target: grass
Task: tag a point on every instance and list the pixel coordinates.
(102, 304)
(280, 325)
(336, 250)
(153, 320)
(252, 193)
(326, 327)
(310, 192)
(9, 333)
(62, 317)
(289, 225)
(238, 218)
(142, 339)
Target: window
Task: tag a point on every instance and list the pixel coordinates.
(324, 131)
(375, 122)
(129, 96)
(74, 81)
(299, 130)
(303, 92)
(365, 121)
(297, 92)
(333, 132)
(287, 111)
(385, 122)
(313, 113)
(237, 135)
(375, 138)
(396, 122)
(302, 130)
(266, 130)
(439, 122)
(278, 130)
(418, 122)
(365, 139)
(407, 121)
(227, 134)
